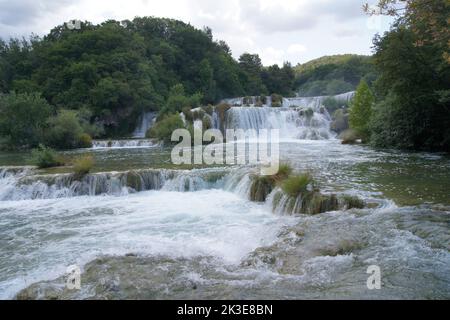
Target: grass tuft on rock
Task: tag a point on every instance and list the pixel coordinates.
(295, 185)
(82, 166)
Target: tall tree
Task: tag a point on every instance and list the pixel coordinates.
(361, 110)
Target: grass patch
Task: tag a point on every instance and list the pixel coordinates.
(83, 165)
(296, 185)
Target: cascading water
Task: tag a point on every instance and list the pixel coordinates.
(146, 121)
(25, 185)
(293, 123)
(302, 118)
(124, 143)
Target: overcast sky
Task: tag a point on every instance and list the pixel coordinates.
(282, 30)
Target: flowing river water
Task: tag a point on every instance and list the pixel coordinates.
(140, 229)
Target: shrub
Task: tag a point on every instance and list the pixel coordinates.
(23, 119)
(277, 100)
(349, 136)
(162, 130)
(296, 185)
(65, 130)
(85, 141)
(82, 165)
(44, 157)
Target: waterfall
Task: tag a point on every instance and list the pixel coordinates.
(293, 123)
(25, 184)
(146, 121)
(298, 118)
(125, 143)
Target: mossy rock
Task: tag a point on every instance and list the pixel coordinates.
(134, 181)
(221, 110)
(277, 100)
(261, 187)
(351, 202)
(309, 113)
(206, 123)
(247, 101)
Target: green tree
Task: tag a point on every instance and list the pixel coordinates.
(251, 69)
(360, 110)
(164, 128)
(23, 119)
(413, 110)
(65, 131)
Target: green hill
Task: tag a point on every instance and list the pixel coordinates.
(335, 74)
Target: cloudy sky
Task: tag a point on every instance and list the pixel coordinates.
(278, 30)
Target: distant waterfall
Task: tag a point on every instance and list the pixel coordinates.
(293, 123)
(146, 121)
(124, 143)
(297, 118)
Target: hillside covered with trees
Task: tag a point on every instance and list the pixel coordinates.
(101, 78)
(330, 75)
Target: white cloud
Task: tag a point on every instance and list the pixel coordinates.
(296, 48)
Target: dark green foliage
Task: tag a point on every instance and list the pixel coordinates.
(413, 111)
(163, 129)
(179, 101)
(23, 119)
(44, 157)
(278, 79)
(65, 131)
(113, 72)
(250, 74)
